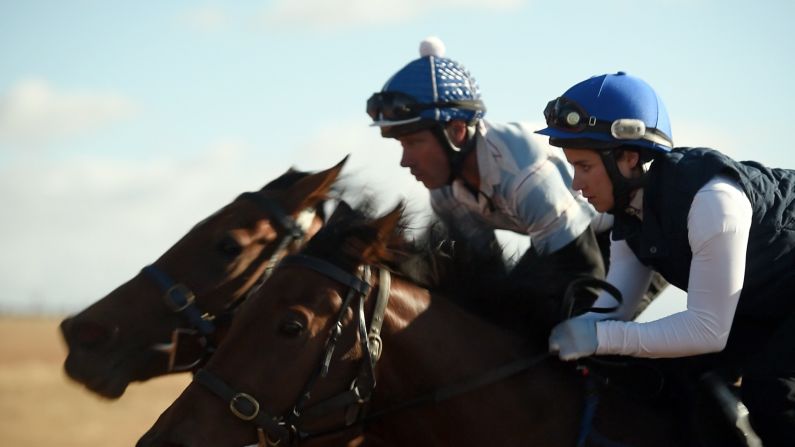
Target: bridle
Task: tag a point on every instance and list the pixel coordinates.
(272, 430)
(285, 429)
(180, 299)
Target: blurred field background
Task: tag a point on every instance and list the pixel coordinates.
(41, 407)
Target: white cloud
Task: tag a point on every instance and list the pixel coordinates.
(325, 14)
(33, 112)
(206, 18)
(74, 229)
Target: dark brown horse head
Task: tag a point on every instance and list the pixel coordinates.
(183, 298)
(285, 335)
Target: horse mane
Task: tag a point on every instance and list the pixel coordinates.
(433, 258)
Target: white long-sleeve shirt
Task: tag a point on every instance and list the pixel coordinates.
(718, 226)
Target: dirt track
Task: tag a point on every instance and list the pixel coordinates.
(41, 407)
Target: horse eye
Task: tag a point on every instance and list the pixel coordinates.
(229, 247)
(291, 328)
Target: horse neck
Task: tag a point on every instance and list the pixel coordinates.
(430, 343)
(430, 335)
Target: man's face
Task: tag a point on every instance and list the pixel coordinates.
(590, 178)
(425, 157)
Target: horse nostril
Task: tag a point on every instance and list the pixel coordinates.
(88, 334)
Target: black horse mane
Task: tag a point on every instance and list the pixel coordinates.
(432, 258)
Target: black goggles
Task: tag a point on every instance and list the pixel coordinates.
(397, 106)
(564, 114)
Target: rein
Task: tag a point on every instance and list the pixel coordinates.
(182, 300)
(285, 427)
(272, 430)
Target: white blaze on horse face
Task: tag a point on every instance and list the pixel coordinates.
(305, 219)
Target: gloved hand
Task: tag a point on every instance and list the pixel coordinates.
(574, 338)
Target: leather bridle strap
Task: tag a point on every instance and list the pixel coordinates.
(275, 213)
(242, 405)
(364, 385)
(245, 406)
(328, 269)
(180, 299)
(442, 394)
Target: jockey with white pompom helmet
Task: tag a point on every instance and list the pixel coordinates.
(484, 176)
(429, 93)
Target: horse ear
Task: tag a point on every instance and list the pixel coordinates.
(314, 188)
(386, 224)
(387, 232)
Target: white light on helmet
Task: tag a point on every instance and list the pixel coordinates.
(572, 118)
(628, 129)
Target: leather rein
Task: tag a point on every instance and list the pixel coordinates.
(182, 300)
(273, 430)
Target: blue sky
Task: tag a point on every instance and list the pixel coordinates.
(124, 123)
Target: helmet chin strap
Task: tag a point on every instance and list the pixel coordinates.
(622, 186)
(456, 155)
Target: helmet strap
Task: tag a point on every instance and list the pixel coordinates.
(622, 186)
(456, 155)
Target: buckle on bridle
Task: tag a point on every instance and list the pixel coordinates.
(181, 290)
(240, 414)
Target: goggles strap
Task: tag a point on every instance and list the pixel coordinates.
(455, 155)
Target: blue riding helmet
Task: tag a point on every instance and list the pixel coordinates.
(426, 92)
(608, 111)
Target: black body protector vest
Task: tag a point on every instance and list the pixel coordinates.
(660, 240)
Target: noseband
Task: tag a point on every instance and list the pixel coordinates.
(272, 430)
(181, 300)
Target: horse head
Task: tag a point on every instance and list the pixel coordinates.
(171, 315)
(298, 353)
(338, 346)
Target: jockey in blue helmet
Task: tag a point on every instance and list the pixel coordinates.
(484, 176)
(607, 113)
(427, 94)
(714, 227)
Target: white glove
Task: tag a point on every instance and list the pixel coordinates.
(574, 338)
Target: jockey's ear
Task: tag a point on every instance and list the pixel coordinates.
(313, 188)
(457, 132)
(629, 163)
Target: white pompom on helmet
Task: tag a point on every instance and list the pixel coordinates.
(427, 91)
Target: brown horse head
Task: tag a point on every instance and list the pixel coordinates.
(301, 363)
(183, 298)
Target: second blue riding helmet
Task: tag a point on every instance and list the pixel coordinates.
(428, 93)
(611, 113)
(608, 111)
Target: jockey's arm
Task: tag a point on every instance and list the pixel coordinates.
(718, 226)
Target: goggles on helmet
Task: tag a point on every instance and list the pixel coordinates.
(566, 115)
(397, 106)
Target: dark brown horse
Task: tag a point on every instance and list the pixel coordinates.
(182, 299)
(300, 365)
